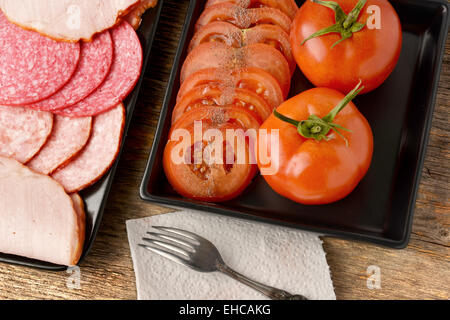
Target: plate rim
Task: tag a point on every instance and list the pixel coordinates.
(400, 243)
(130, 107)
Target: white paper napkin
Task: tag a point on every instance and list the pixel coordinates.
(281, 257)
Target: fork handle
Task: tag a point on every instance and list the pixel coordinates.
(271, 292)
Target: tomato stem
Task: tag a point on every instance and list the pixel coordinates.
(318, 128)
(349, 97)
(345, 24)
(286, 119)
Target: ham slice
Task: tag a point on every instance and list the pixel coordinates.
(38, 219)
(69, 20)
(78, 205)
(135, 16)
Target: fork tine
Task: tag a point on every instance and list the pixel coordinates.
(180, 232)
(167, 245)
(177, 240)
(168, 255)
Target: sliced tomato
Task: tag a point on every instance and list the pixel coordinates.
(265, 57)
(209, 95)
(262, 83)
(273, 36)
(256, 80)
(214, 178)
(221, 114)
(243, 18)
(197, 177)
(289, 7)
(217, 31)
(232, 36)
(219, 55)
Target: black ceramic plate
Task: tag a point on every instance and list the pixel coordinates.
(380, 209)
(96, 196)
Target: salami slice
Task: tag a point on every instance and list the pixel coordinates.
(23, 132)
(68, 137)
(93, 67)
(124, 73)
(98, 155)
(32, 67)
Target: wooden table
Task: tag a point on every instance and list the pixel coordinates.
(421, 271)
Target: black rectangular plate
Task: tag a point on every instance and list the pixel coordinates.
(380, 209)
(96, 197)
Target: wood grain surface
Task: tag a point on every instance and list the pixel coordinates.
(421, 271)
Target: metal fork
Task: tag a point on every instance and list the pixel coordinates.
(193, 251)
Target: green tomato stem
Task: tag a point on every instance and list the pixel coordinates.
(285, 119)
(345, 24)
(349, 97)
(354, 14)
(318, 128)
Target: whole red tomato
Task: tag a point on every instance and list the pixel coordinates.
(337, 45)
(325, 147)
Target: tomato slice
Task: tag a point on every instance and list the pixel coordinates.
(273, 36)
(204, 180)
(242, 17)
(289, 7)
(219, 55)
(220, 114)
(265, 57)
(204, 169)
(217, 31)
(209, 95)
(253, 79)
(232, 36)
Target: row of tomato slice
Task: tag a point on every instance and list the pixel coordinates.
(238, 69)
